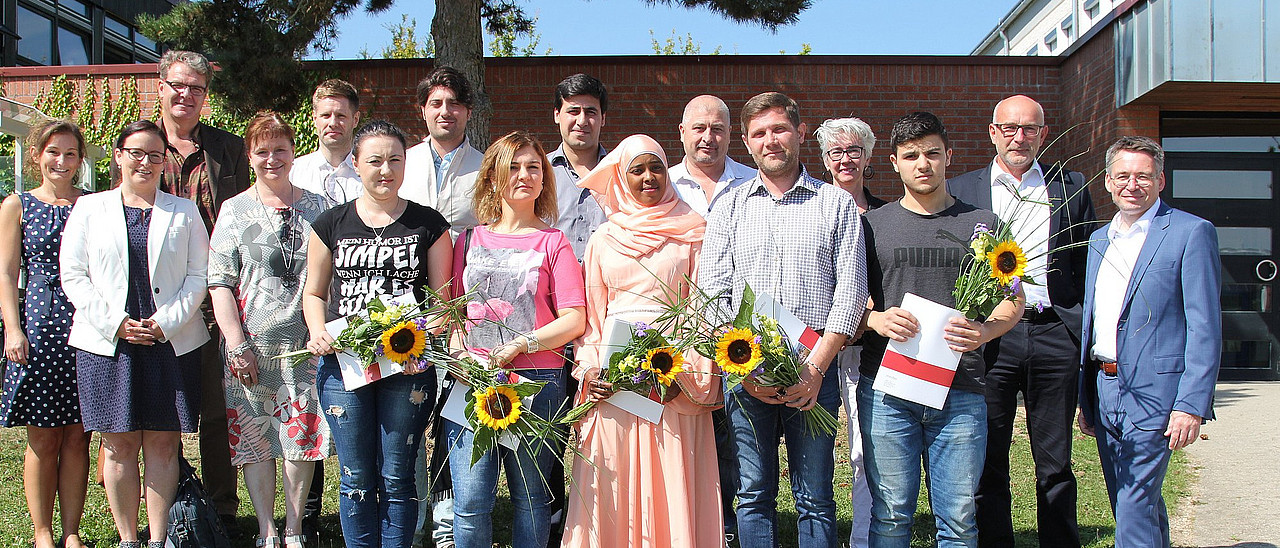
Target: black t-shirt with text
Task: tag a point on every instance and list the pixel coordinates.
(921, 254)
(389, 261)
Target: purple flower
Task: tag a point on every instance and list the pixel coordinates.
(1039, 307)
(500, 377)
(979, 230)
(378, 350)
(640, 376)
(758, 340)
(642, 329)
(421, 323)
(1012, 289)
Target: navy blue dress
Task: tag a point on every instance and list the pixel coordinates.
(43, 392)
(141, 387)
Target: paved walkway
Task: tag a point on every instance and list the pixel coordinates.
(1236, 501)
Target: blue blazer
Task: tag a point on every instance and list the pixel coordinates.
(1169, 338)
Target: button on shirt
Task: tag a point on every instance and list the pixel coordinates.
(340, 183)
(580, 215)
(691, 192)
(806, 249)
(1029, 220)
(1113, 281)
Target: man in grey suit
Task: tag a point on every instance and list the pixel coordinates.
(1152, 337)
(1051, 213)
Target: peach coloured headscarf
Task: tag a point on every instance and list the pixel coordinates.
(633, 229)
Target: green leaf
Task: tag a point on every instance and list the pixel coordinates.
(376, 305)
(527, 389)
(746, 309)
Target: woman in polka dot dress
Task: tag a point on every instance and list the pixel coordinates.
(40, 376)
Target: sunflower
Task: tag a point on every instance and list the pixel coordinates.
(497, 407)
(666, 363)
(403, 342)
(1007, 262)
(737, 352)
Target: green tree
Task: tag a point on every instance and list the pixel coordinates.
(404, 41)
(506, 42)
(678, 45)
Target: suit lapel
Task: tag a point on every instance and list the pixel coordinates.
(982, 196)
(1155, 234)
(114, 216)
(1055, 187)
(212, 149)
(158, 232)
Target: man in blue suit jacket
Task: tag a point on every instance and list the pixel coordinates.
(1152, 338)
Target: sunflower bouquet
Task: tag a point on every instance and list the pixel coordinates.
(754, 346)
(495, 405)
(647, 365)
(398, 331)
(993, 272)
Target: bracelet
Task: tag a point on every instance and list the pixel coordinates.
(239, 350)
(821, 373)
(531, 343)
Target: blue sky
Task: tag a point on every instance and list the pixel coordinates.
(621, 27)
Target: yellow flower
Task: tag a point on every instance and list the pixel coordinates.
(978, 245)
(403, 342)
(737, 352)
(1007, 262)
(665, 363)
(497, 407)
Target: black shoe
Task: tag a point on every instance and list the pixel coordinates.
(230, 525)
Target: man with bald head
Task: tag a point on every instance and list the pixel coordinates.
(707, 172)
(1050, 211)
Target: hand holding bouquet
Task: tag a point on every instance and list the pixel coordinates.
(991, 274)
(495, 405)
(647, 365)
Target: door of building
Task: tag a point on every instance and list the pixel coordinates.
(1236, 190)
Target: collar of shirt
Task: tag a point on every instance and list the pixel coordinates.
(691, 192)
(810, 184)
(558, 159)
(1033, 176)
(1140, 226)
(442, 162)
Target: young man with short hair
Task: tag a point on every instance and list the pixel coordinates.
(330, 171)
(918, 245)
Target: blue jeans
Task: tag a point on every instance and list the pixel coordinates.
(475, 488)
(377, 431)
(896, 434)
(757, 427)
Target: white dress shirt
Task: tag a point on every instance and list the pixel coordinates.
(340, 183)
(1113, 281)
(691, 192)
(1029, 221)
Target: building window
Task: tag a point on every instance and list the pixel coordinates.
(1092, 9)
(77, 7)
(1034, 51)
(36, 32)
(1068, 27)
(1051, 41)
(117, 26)
(73, 47)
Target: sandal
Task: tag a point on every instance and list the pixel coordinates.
(268, 542)
(295, 541)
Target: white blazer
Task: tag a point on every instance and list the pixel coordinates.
(453, 199)
(95, 270)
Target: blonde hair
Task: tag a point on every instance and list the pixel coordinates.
(495, 175)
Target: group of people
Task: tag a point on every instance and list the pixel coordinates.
(155, 308)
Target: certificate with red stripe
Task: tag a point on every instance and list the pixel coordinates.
(921, 368)
(796, 330)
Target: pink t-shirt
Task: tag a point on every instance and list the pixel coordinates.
(517, 283)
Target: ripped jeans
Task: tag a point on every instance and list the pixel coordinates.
(377, 431)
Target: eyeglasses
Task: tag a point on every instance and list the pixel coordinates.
(1140, 180)
(140, 155)
(853, 153)
(196, 91)
(1009, 130)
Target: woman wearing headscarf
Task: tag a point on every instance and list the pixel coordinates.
(638, 483)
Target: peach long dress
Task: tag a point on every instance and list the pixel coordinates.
(635, 483)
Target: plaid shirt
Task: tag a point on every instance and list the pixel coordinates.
(805, 249)
(187, 177)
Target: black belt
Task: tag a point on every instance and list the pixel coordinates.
(1040, 316)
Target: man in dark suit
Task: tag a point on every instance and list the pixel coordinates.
(206, 165)
(1051, 213)
(1152, 336)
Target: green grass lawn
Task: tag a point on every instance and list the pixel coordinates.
(1096, 525)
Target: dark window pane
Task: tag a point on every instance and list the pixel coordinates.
(1246, 354)
(116, 25)
(73, 47)
(1222, 144)
(36, 31)
(1246, 297)
(116, 56)
(145, 42)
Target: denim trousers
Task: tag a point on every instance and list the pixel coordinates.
(896, 435)
(475, 488)
(757, 428)
(377, 431)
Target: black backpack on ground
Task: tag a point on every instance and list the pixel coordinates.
(193, 520)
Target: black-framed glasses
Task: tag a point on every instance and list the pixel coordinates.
(1009, 130)
(197, 91)
(852, 153)
(140, 155)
